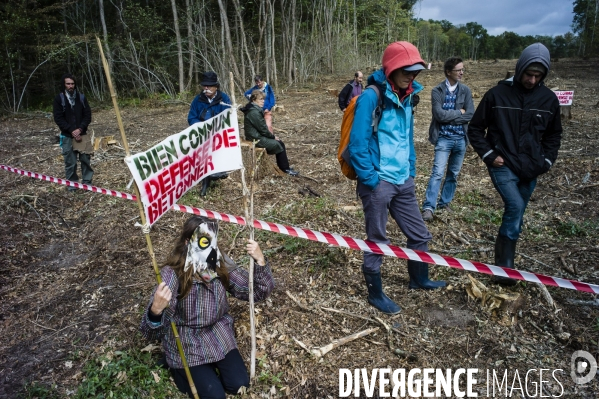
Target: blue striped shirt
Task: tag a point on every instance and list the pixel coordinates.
(202, 318)
(451, 131)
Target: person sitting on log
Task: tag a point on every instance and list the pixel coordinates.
(256, 130)
(193, 294)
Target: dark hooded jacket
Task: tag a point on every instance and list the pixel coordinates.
(521, 125)
(255, 129)
(70, 118)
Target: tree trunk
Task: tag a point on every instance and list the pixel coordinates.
(273, 57)
(179, 47)
(105, 35)
(261, 26)
(232, 61)
(244, 41)
(291, 71)
(190, 44)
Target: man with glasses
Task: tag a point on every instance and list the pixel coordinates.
(269, 100)
(352, 89)
(385, 164)
(452, 108)
(517, 130)
(209, 103)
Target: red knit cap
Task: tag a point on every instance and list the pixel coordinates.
(400, 55)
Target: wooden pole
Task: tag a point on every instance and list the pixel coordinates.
(248, 205)
(143, 216)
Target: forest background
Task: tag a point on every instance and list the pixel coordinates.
(160, 48)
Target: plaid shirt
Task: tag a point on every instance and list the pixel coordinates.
(202, 319)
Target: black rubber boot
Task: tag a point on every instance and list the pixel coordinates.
(418, 272)
(376, 296)
(205, 186)
(505, 252)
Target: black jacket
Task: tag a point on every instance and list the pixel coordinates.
(523, 126)
(71, 118)
(345, 96)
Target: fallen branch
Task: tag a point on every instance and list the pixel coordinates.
(309, 178)
(319, 352)
(458, 238)
(361, 317)
(546, 295)
(533, 259)
(580, 302)
(297, 302)
(565, 266)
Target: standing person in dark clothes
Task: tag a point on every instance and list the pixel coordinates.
(73, 115)
(352, 89)
(196, 280)
(209, 103)
(517, 130)
(256, 130)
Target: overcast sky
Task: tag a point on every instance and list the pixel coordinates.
(525, 17)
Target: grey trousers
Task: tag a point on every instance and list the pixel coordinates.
(70, 162)
(400, 201)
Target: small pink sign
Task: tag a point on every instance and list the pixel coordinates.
(565, 97)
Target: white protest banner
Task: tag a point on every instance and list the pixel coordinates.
(165, 172)
(565, 97)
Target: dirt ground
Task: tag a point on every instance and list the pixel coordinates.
(75, 272)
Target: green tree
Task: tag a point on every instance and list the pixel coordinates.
(586, 25)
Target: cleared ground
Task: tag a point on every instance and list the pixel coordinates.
(75, 273)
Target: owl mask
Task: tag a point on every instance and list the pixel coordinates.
(202, 250)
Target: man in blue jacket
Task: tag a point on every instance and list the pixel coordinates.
(209, 103)
(517, 130)
(385, 164)
(269, 100)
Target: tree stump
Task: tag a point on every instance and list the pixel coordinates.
(265, 165)
(566, 111)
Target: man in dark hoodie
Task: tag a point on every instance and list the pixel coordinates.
(385, 164)
(73, 115)
(209, 103)
(517, 131)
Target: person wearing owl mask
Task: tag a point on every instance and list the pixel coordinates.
(195, 280)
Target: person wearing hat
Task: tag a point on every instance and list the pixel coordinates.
(269, 99)
(385, 164)
(209, 103)
(516, 130)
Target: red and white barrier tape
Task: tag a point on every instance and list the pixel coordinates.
(69, 183)
(348, 242)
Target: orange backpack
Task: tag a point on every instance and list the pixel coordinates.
(346, 125)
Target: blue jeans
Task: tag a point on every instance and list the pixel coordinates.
(450, 153)
(515, 194)
(400, 201)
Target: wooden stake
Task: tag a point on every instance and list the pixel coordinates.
(248, 205)
(143, 216)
